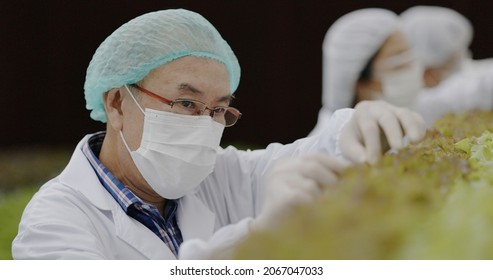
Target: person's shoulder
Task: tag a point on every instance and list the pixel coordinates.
(52, 196)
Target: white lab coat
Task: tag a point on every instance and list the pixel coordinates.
(74, 217)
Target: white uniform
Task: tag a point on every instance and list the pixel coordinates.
(74, 217)
(462, 92)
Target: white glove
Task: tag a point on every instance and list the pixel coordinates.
(294, 182)
(361, 139)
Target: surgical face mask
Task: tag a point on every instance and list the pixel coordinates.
(401, 87)
(176, 152)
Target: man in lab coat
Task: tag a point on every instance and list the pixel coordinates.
(156, 184)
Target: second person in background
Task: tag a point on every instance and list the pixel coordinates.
(366, 56)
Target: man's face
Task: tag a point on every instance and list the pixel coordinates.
(188, 77)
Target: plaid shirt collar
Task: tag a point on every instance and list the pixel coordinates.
(166, 228)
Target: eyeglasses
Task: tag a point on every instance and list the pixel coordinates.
(227, 116)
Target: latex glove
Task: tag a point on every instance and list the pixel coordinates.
(294, 182)
(377, 126)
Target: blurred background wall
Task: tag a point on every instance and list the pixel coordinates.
(47, 45)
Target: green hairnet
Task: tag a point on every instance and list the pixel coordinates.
(147, 42)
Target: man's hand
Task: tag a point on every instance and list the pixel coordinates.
(377, 126)
(294, 182)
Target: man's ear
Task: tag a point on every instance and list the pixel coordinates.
(112, 101)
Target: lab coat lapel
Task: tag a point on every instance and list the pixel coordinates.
(140, 237)
(80, 176)
(195, 219)
(127, 229)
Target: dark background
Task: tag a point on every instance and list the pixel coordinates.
(47, 45)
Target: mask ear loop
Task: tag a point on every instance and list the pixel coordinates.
(138, 105)
(125, 143)
(135, 100)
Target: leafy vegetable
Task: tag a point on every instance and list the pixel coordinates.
(432, 200)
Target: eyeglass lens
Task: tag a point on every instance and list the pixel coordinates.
(224, 115)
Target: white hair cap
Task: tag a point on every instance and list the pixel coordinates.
(435, 33)
(348, 46)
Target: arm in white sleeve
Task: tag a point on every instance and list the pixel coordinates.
(240, 176)
(326, 141)
(238, 185)
(220, 246)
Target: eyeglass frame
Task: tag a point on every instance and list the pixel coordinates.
(172, 102)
